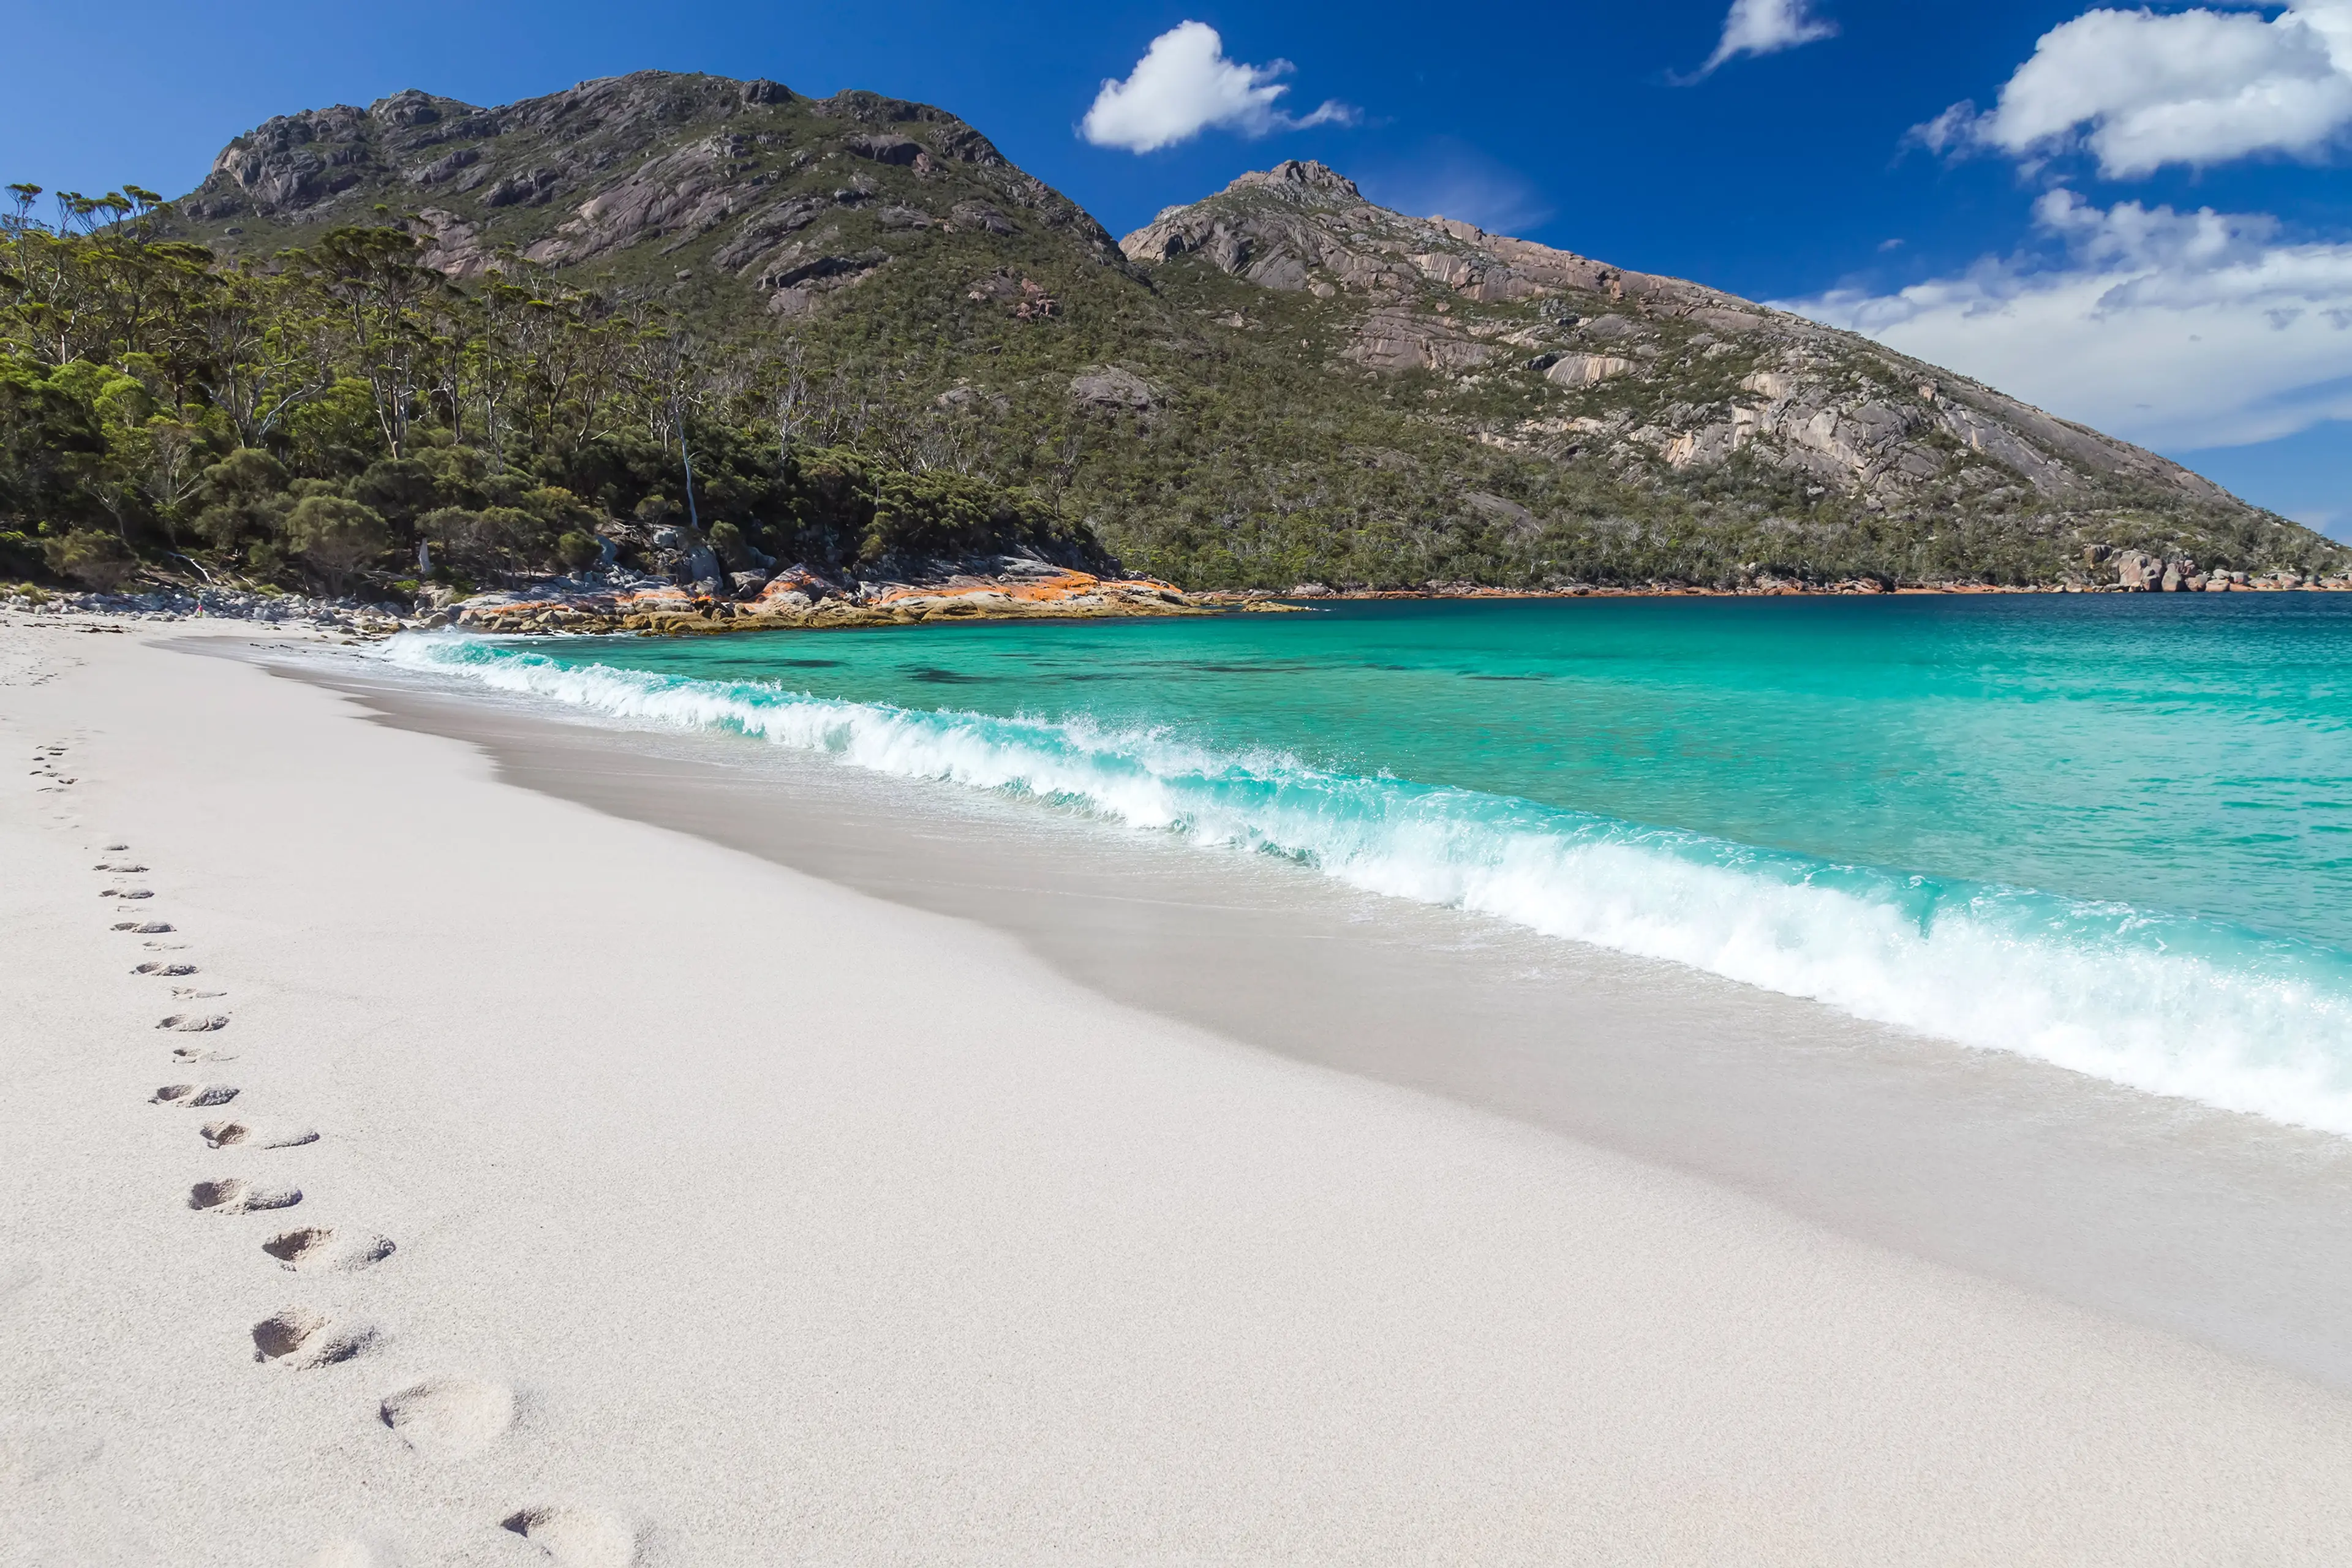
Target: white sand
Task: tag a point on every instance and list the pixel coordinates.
(742, 1219)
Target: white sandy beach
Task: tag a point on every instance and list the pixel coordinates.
(740, 1218)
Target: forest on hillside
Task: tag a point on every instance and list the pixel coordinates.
(339, 416)
(312, 420)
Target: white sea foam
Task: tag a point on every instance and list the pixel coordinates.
(2167, 1003)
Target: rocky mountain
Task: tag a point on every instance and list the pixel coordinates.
(796, 196)
(1650, 367)
(1281, 382)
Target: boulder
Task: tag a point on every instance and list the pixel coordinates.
(1111, 389)
(1513, 518)
(1614, 328)
(886, 149)
(793, 590)
(981, 215)
(1586, 370)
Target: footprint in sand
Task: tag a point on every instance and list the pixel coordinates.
(449, 1417)
(133, 894)
(317, 1247)
(223, 1134)
(142, 927)
(114, 848)
(576, 1537)
(193, 1094)
(299, 1337)
(201, 1054)
(194, 1022)
(190, 994)
(234, 1195)
(156, 966)
(119, 867)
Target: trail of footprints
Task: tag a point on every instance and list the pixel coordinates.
(440, 1419)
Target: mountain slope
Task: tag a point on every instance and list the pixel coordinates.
(1699, 375)
(1280, 382)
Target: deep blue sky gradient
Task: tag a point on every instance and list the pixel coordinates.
(1774, 178)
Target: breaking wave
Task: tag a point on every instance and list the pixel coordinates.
(2171, 1004)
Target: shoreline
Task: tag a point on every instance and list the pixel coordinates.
(667, 611)
(1853, 588)
(2205, 977)
(1884, 1135)
(742, 1213)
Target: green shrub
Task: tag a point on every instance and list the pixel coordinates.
(579, 550)
(335, 536)
(731, 546)
(97, 561)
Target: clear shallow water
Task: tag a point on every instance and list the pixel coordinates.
(2115, 833)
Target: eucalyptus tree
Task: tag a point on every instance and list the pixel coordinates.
(373, 281)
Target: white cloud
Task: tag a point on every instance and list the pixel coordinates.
(1766, 27)
(1183, 85)
(2175, 329)
(2197, 87)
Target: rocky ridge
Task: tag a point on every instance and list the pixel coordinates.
(795, 197)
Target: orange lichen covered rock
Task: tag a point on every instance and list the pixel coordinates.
(802, 596)
(644, 601)
(1077, 589)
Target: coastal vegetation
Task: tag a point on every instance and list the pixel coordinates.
(341, 413)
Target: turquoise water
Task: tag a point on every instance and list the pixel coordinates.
(2112, 832)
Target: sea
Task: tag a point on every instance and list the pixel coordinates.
(2110, 831)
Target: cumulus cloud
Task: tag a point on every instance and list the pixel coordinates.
(2176, 330)
(1766, 27)
(1184, 85)
(2142, 90)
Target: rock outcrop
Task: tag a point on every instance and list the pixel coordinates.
(1111, 389)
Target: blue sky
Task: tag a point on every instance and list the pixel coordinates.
(2143, 220)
